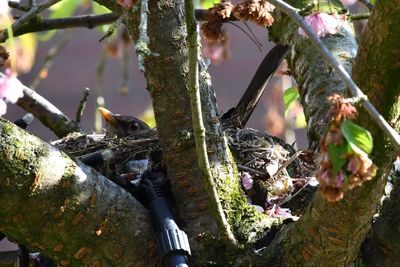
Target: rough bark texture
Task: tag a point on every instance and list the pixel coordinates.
(381, 81)
(167, 78)
(327, 234)
(316, 79)
(67, 210)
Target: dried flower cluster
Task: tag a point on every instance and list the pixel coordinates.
(4, 55)
(342, 166)
(216, 40)
(215, 43)
(258, 11)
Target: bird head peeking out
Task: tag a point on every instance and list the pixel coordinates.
(122, 125)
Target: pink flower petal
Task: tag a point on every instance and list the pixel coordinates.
(322, 24)
(3, 107)
(349, 2)
(247, 181)
(10, 87)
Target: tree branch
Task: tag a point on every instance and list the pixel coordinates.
(87, 21)
(197, 118)
(47, 113)
(34, 11)
(327, 234)
(67, 210)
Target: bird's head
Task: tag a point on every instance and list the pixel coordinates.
(121, 125)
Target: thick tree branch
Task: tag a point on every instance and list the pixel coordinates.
(67, 210)
(34, 11)
(327, 234)
(340, 70)
(379, 45)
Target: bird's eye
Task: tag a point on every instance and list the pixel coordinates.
(133, 126)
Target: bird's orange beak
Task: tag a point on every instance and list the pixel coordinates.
(107, 115)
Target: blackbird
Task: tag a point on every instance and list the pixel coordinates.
(122, 125)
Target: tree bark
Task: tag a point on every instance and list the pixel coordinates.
(327, 234)
(381, 82)
(66, 209)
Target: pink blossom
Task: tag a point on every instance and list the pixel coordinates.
(340, 179)
(322, 24)
(125, 3)
(247, 181)
(278, 212)
(349, 2)
(10, 90)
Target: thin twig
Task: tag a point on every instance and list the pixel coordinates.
(251, 170)
(115, 24)
(255, 41)
(35, 10)
(287, 163)
(331, 60)
(198, 125)
(252, 33)
(82, 105)
(141, 48)
(49, 59)
(141, 141)
(48, 114)
(359, 16)
(368, 4)
(85, 21)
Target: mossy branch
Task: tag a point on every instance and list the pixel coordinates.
(198, 125)
(65, 209)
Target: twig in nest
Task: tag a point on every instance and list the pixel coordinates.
(247, 169)
(287, 163)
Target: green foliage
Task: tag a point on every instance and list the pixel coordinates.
(337, 155)
(208, 3)
(358, 138)
(289, 97)
(99, 9)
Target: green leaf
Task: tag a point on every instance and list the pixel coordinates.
(337, 155)
(99, 9)
(208, 3)
(359, 138)
(289, 97)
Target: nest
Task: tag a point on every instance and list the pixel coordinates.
(276, 170)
